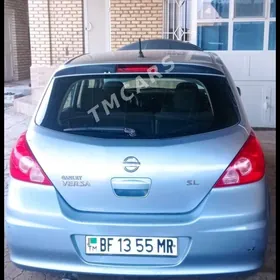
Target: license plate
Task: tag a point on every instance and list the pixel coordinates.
(116, 245)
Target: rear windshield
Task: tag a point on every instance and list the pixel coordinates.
(130, 106)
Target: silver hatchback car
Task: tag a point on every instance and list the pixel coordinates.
(139, 165)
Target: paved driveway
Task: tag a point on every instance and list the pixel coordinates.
(17, 123)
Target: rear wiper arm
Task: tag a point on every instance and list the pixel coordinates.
(130, 131)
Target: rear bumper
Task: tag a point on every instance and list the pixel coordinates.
(219, 237)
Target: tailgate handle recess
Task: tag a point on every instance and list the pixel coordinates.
(131, 187)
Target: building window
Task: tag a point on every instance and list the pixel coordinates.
(248, 35)
(213, 36)
(236, 25)
(249, 8)
(272, 36)
(212, 27)
(272, 26)
(176, 20)
(273, 8)
(215, 9)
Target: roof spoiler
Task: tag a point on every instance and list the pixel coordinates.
(73, 58)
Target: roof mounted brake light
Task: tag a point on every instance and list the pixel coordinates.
(134, 68)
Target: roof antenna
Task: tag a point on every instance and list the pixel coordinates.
(140, 49)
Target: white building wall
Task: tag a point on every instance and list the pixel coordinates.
(253, 71)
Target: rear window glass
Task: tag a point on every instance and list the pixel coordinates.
(130, 106)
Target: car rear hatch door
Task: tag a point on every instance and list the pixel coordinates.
(135, 176)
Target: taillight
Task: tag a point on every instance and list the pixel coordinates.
(24, 166)
(135, 68)
(247, 167)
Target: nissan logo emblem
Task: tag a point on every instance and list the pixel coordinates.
(131, 164)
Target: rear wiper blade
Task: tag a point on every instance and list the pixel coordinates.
(130, 131)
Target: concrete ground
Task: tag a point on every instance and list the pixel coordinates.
(16, 123)
(16, 89)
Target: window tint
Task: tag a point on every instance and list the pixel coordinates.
(169, 107)
(248, 35)
(212, 36)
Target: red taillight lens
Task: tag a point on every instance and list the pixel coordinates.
(247, 167)
(135, 68)
(24, 166)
